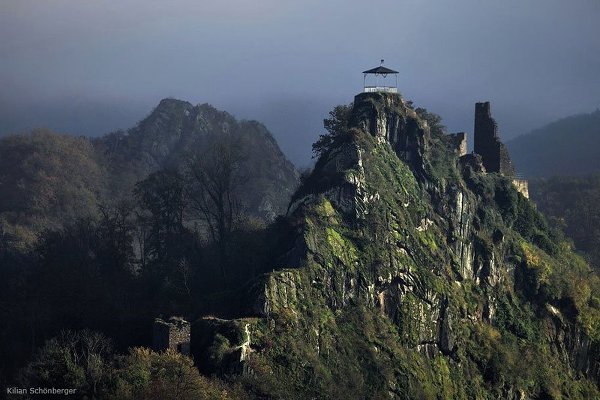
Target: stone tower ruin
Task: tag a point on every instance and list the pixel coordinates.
(494, 154)
(173, 334)
(487, 143)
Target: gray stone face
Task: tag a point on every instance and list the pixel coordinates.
(388, 118)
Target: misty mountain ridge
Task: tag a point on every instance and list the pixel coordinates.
(47, 178)
(176, 130)
(567, 147)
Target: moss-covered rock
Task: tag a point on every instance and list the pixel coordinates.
(413, 274)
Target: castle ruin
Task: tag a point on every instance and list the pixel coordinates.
(494, 154)
(459, 143)
(487, 143)
(173, 334)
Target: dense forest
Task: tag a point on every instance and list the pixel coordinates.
(106, 234)
(571, 204)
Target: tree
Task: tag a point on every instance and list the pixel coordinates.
(433, 120)
(80, 360)
(145, 374)
(116, 229)
(162, 195)
(46, 179)
(168, 248)
(336, 125)
(214, 177)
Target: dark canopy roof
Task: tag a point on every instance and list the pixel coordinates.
(381, 70)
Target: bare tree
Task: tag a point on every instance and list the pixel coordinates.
(214, 181)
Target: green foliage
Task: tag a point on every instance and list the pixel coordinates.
(532, 226)
(213, 183)
(501, 204)
(78, 360)
(433, 120)
(336, 125)
(441, 160)
(144, 374)
(219, 349)
(46, 179)
(566, 281)
(571, 204)
(342, 248)
(85, 361)
(525, 365)
(513, 317)
(162, 195)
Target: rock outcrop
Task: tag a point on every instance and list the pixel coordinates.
(411, 274)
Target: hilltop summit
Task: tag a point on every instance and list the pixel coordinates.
(405, 271)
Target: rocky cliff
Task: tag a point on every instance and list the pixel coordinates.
(410, 273)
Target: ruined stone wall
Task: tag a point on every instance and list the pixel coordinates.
(459, 143)
(173, 334)
(487, 143)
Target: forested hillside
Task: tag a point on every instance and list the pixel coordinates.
(46, 180)
(573, 205)
(107, 234)
(567, 147)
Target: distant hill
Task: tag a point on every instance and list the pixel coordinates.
(567, 147)
(47, 178)
(176, 130)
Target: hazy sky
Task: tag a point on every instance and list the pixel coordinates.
(88, 67)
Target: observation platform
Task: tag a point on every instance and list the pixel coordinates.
(378, 76)
(384, 89)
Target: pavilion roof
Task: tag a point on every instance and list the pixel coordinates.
(381, 70)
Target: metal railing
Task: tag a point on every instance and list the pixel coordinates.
(385, 89)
